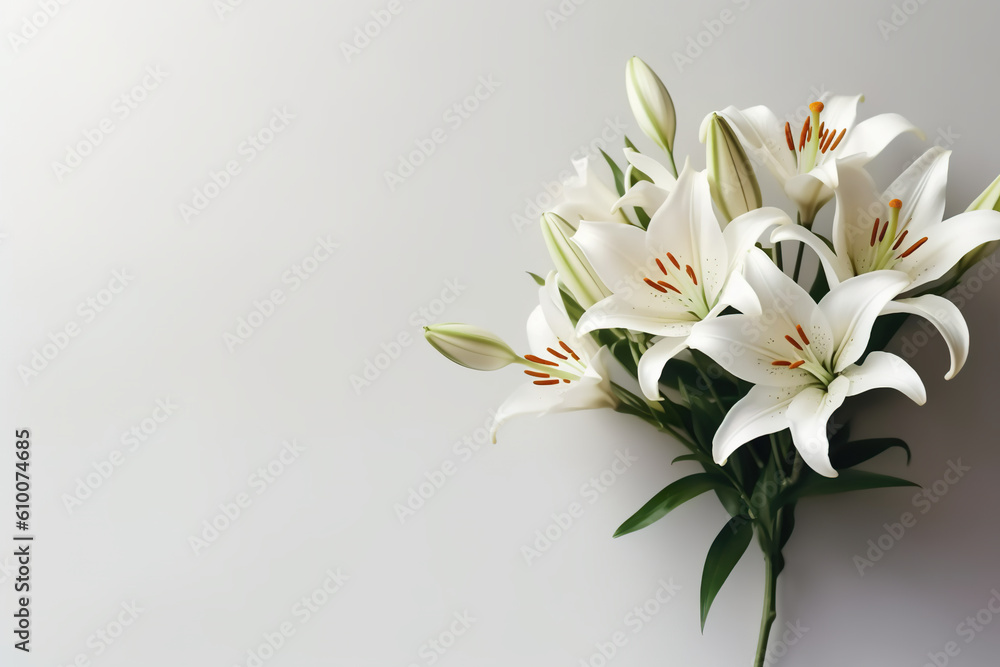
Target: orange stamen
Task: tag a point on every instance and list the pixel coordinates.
(913, 248)
(839, 137)
(662, 268)
(826, 146)
(556, 354)
(570, 350)
(802, 334)
(899, 241)
(802, 135)
(547, 382)
(796, 364)
(668, 286)
(781, 363)
(691, 275)
(788, 137)
(821, 133)
(874, 233)
(794, 343)
(884, 228)
(539, 360)
(654, 285)
(536, 374)
(673, 260)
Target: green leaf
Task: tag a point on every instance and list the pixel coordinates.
(885, 328)
(573, 309)
(727, 549)
(851, 454)
(820, 286)
(538, 278)
(642, 217)
(619, 176)
(688, 457)
(848, 480)
(670, 498)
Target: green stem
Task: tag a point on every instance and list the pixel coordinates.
(798, 262)
(779, 462)
(770, 610)
(673, 164)
(708, 381)
(777, 256)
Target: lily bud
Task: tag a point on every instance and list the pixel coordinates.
(651, 104)
(470, 346)
(989, 199)
(572, 266)
(731, 178)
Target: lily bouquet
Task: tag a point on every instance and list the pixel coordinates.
(672, 299)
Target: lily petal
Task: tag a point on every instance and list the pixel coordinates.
(747, 347)
(947, 243)
(872, 135)
(836, 269)
(882, 370)
(651, 364)
(743, 232)
(761, 411)
(617, 312)
(653, 168)
(615, 251)
(851, 308)
(948, 320)
(808, 414)
(645, 195)
(921, 188)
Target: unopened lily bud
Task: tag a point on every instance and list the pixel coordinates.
(731, 178)
(574, 270)
(988, 200)
(651, 104)
(470, 346)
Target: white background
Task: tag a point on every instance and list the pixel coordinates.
(561, 83)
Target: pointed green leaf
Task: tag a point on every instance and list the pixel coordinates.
(616, 170)
(538, 278)
(687, 457)
(851, 454)
(727, 549)
(848, 480)
(670, 498)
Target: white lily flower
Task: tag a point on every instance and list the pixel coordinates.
(470, 346)
(587, 197)
(567, 373)
(648, 195)
(803, 160)
(682, 270)
(801, 357)
(902, 229)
